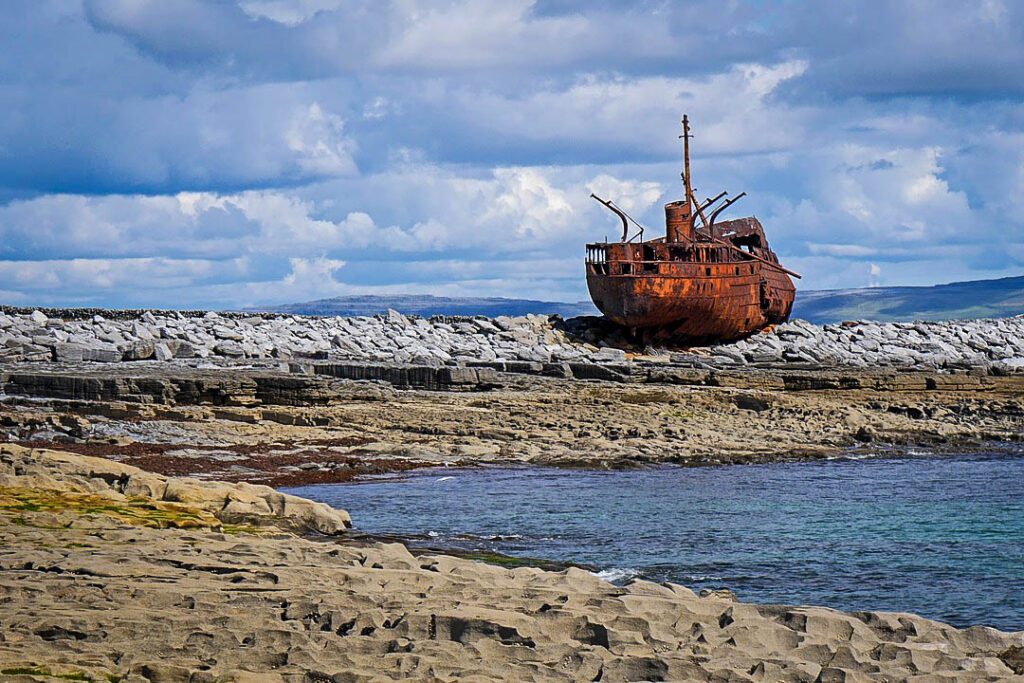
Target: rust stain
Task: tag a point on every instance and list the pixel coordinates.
(700, 283)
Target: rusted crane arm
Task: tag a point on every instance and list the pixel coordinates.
(708, 201)
(697, 206)
(723, 207)
(618, 212)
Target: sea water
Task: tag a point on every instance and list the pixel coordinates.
(941, 536)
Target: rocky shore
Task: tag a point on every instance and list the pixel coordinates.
(108, 573)
(287, 400)
(273, 426)
(115, 336)
(142, 540)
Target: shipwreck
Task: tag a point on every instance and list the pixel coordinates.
(701, 283)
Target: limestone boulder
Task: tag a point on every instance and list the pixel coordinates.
(240, 503)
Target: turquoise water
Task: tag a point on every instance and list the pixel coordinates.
(942, 536)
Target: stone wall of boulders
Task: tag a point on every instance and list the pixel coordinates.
(395, 338)
(384, 338)
(958, 344)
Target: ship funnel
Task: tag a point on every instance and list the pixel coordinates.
(678, 222)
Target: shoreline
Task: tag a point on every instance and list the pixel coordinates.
(89, 532)
(362, 473)
(856, 454)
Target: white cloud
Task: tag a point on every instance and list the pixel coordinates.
(377, 108)
(318, 141)
(632, 196)
(280, 245)
(289, 12)
(81, 277)
(207, 137)
(874, 275)
(485, 33)
(732, 111)
(528, 204)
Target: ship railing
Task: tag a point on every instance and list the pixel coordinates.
(637, 266)
(597, 253)
(630, 266)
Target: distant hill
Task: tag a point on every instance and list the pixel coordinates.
(426, 306)
(957, 300)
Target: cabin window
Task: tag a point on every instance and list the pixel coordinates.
(626, 268)
(737, 270)
(707, 271)
(650, 259)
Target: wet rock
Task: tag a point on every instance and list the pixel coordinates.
(752, 402)
(864, 434)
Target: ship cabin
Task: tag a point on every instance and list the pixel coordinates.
(695, 256)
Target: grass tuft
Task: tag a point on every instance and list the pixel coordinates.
(144, 512)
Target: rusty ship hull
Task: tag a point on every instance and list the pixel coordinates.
(707, 283)
(685, 303)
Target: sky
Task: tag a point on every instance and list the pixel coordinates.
(230, 153)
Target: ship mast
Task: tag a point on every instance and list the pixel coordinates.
(686, 161)
(691, 201)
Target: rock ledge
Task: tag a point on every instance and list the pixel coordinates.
(241, 503)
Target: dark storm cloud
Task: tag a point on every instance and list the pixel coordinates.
(203, 35)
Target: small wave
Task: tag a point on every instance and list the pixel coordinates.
(433, 534)
(486, 537)
(445, 478)
(845, 457)
(614, 574)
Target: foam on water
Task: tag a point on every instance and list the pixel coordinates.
(617, 574)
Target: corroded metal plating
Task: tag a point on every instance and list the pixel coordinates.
(717, 282)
